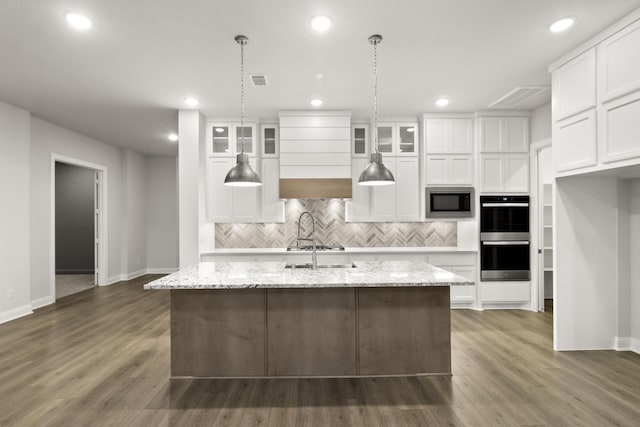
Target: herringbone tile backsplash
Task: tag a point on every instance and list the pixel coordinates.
(331, 229)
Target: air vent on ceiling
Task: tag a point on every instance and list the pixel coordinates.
(518, 96)
(258, 79)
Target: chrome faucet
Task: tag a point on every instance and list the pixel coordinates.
(309, 238)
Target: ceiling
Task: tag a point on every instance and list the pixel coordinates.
(124, 81)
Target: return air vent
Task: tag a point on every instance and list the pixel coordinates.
(258, 79)
(518, 96)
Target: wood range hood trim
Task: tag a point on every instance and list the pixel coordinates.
(315, 188)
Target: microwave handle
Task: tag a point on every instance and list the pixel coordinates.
(505, 205)
(506, 243)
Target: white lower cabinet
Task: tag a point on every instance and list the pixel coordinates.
(505, 292)
(463, 265)
(504, 173)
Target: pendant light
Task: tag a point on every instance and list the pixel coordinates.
(375, 173)
(242, 175)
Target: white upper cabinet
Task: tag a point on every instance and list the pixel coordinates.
(270, 146)
(229, 204)
(398, 139)
(504, 134)
(596, 103)
(619, 64)
(358, 209)
(399, 202)
(504, 173)
(443, 136)
(225, 139)
(360, 140)
(574, 142)
(272, 206)
(449, 169)
(574, 86)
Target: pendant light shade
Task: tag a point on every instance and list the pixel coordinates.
(242, 174)
(375, 173)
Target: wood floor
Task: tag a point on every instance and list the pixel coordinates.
(101, 357)
(67, 284)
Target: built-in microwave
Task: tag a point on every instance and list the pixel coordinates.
(449, 202)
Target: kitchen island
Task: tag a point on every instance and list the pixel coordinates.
(261, 319)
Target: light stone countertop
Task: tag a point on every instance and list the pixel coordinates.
(247, 275)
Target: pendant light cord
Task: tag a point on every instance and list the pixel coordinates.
(242, 43)
(375, 95)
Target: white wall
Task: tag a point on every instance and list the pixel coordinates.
(586, 263)
(14, 213)
(634, 255)
(541, 123)
(162, 214)
(134, 216)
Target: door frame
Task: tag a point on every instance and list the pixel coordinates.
(101, 260)
(536, 207)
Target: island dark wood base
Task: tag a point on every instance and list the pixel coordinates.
(318, 332)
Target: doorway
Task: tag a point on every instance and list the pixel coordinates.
(542, 192)
(77, 226)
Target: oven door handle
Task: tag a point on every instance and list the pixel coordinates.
(506, 243)
(505, 205)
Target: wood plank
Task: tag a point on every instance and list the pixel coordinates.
(311, 332)
(199, 318)
(404, 330)
(315, 188)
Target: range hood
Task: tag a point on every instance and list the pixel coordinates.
(315, 155)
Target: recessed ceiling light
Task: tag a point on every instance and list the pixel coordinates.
(442, 102)
(321, 23)
(219, 130)
(77, 21)
(173, 137)
(562, 24)
(316, 102)
(319, 76)
(191, 102)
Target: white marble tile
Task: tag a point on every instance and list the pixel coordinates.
(244, 275)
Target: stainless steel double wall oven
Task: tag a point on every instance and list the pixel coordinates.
(504, 238)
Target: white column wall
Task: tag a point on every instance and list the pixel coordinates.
(15, 295)
(191, 131)
(634, 255)
(162, 214)
(624, 260)
(586, 263)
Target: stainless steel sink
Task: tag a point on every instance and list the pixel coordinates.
(310, 265)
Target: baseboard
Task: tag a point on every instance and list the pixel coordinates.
(635, 345)
(622, 344)
(41, 302)
(161, 270)
(130, 276)
(505, 306)
(76, 271)
(16, 313)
